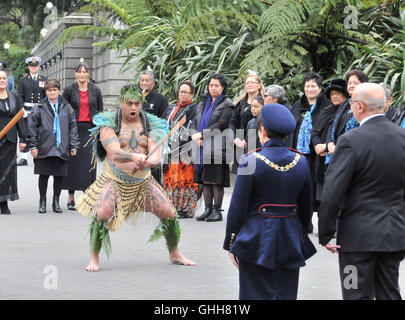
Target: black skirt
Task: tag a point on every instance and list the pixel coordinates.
(51, 166)
(8, 170)
(80, 173)
(216, 173)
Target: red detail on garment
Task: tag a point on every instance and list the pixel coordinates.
(84, 113)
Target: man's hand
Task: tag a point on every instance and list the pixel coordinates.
(197, 137)
(73, 152)
(240, 143)
(234, 260)
(332, 248)
(34, 153)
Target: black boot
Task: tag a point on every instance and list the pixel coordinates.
(216, 215)
(42, 205)
(4, 208)
(206, 213)
(55, 204)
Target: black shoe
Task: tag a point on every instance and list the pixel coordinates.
(4, 208)
(42, 205)
(180, 214)
(206, 214)
(216, 215)
(55, 205)
(71, 205)
(22, 162)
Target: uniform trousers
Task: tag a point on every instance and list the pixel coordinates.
(369, 275)
(259, 283)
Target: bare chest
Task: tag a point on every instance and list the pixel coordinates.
(132, 139)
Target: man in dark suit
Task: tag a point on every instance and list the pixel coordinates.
(31, 90)
(269, 214)
(364, 191)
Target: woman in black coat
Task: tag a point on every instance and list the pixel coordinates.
(213, 112)
(337, 93)
(306, 112)
(10, 105)
(86, 100)
(53, 140)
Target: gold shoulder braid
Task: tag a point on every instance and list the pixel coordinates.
(275, 166)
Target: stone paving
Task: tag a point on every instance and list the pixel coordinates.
(44, 257)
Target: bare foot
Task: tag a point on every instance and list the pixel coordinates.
(93, 263)
(177, 258)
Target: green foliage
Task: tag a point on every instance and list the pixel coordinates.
(280, 39)
(99, 237)
(170, 229)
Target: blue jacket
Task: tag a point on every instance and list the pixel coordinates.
(271, 209)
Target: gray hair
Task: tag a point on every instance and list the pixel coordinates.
(148, 73)
(371, 102)
(277, 91)
(387, 89)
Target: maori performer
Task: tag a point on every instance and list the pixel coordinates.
(122, 139)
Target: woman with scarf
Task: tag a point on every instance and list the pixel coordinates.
(53, 130)
(306, 112)
(213, 113)
(10, 105)
(179, 177)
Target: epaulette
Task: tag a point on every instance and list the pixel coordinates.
(250, 152)
(296, 151)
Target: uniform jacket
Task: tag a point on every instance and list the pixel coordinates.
(32, 91)
(156, 104)
(364, 189)
(72, 96)
(15, 105)
(40, 124)
(270, 210)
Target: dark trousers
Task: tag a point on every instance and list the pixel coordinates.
(370, 275)
(259, 283)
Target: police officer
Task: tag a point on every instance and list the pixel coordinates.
(269, 213)
(31, 89)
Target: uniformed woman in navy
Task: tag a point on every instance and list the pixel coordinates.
(269, 213)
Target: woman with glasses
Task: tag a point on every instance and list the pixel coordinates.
(344, 120)
(179, 177)
(252, 87)
(53, 131)
(86, 100)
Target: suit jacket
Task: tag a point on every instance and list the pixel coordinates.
(364, 189)
(270, 210)
(15, 105)
(72, 96)
(32, 91)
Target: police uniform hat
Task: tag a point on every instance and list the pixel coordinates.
(3, 65)
(338, 85)
(278, 118)
(33, 61)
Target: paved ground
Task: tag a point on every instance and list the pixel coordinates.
(44, 256)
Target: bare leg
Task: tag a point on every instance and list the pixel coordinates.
(160, 206)
(105, 209)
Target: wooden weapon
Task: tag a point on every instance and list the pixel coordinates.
(12, 123)
(176, 127)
